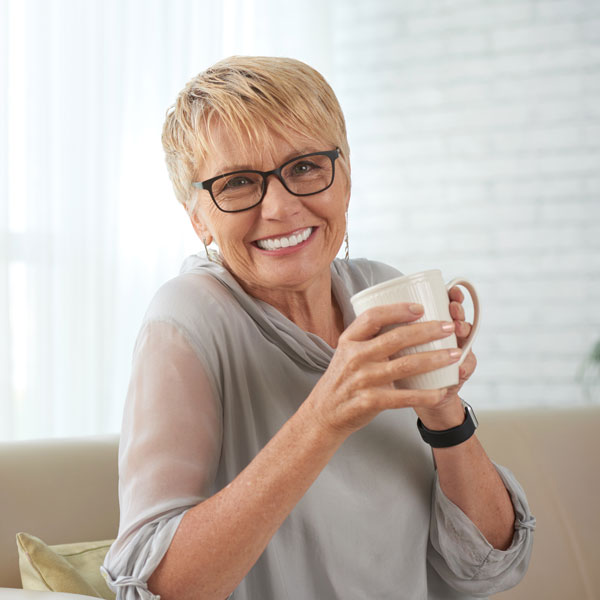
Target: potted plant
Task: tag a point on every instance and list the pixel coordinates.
(589, 373)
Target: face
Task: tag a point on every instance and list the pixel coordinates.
(319, 220)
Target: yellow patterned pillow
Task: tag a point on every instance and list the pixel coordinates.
(72, 568)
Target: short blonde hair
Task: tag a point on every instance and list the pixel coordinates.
(251, 96)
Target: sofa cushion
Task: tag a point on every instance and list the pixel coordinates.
(73, 568)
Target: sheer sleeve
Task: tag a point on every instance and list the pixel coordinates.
(462, 556)
(168, 454)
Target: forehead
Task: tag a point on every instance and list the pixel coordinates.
(231, 151)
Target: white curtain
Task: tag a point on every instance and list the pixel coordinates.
(89, 226)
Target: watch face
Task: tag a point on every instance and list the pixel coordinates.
(472, 413)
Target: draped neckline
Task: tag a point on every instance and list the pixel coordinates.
(307, 348)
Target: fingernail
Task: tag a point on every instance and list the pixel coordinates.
(417, 309)
(455, 353)
(448, 326)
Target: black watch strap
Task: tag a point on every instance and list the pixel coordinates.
(450, 437)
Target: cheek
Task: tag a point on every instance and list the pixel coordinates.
(230, 231)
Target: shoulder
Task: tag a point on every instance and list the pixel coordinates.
(186, 297)
(360, 273)
(202, 302)
(199, 307)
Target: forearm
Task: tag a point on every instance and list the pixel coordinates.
(470, 480)
(219, 540)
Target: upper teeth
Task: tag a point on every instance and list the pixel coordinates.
(284, 242)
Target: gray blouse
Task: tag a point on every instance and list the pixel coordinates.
(215, 375)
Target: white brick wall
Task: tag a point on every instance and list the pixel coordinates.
(475, 135)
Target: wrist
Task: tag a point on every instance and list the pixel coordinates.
(450, 414)
(318, 427)
(453, 436)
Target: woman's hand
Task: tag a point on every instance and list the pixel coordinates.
(450, 411)
(358, 383)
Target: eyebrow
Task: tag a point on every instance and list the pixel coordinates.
(244, 166)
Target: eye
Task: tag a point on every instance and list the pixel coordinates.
(237, 182)
(304, 167)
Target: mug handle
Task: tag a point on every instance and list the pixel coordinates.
(473, 293)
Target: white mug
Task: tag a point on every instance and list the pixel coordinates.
(426, 288)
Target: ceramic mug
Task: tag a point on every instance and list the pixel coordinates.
(426, 288)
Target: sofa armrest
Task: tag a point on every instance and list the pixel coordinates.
(553, 452)
(60, 490)
(18, 594)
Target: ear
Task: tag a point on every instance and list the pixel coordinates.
(202, 231)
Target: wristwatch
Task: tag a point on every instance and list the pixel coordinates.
(455, 435)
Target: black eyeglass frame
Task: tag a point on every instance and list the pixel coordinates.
(208, 183)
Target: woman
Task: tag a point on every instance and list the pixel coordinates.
(258, 456)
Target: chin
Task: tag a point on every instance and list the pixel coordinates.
(296, 276)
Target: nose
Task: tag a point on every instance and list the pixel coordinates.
(277, 202)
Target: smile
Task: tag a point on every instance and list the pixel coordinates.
(285, 242)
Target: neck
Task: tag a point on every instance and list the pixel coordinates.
(313, 309)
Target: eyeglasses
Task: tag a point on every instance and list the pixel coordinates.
(301, 176)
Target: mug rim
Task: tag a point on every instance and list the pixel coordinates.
(378, 287)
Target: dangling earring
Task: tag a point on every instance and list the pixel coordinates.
(206, 249)
(346, 245)
(211, 255)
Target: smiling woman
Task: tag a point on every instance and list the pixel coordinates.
(263, 440)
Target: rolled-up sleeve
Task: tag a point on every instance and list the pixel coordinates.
(168, 454)
(127, 571)
(462, 556)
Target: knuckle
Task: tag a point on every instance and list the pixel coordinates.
(433, 398)
(410, 398)
(401, 365)
(354, 362)
(361, 380)
(365, 403)
(438, 397)
(370, 318)
(343, 339)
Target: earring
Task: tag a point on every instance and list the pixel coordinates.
(346, 245)
(211, 255)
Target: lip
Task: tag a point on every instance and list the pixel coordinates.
(289, 249)
(285, 234)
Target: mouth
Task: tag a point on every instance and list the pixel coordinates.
(286, 241)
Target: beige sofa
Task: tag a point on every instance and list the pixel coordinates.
(66, 491)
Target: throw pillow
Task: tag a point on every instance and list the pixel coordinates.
(72, 568)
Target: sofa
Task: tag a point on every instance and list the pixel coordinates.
(65, 490)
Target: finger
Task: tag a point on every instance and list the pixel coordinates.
(407, 336)
(417, 363)
(368, 324)
(457, 312)
(468, 367)
(377, 374)
(456, 294)
(392, 398)
(463, 330)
